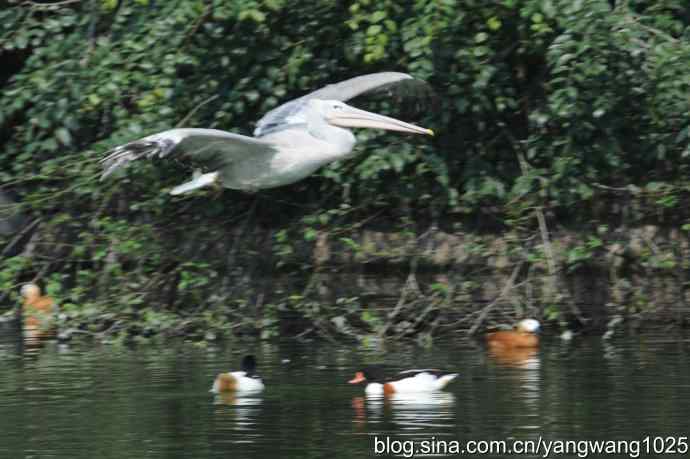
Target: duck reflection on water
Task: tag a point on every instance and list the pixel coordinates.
(407, 410)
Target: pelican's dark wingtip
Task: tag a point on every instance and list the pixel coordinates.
(124, 154)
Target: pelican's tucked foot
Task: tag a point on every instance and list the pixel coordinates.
(199, 181)
(217, 189)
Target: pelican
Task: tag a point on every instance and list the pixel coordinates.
(290, 142)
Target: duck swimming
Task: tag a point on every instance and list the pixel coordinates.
(408, 381)
(245, 380)
(38, 312)
(524, 336)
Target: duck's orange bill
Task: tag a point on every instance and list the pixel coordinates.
(359, 377)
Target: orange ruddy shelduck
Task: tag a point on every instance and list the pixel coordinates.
(524, 336)
(408, 381)
(239, 381)
(37, 312)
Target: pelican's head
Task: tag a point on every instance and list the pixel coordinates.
(30, 291)
(528, 326)
(340, 114)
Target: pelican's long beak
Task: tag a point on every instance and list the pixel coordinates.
(350, 117)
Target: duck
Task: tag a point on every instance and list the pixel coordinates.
(523, 336)
(404, 382)
(245, 380)
(38, 312)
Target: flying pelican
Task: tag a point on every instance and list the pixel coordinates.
(290, 142)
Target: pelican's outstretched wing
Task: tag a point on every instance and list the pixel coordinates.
(353, 87)
(214, 147)
(280, 117)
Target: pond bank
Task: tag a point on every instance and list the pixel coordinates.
(372, 283)
(572, 277)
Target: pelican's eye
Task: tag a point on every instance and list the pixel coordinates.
(337, 107)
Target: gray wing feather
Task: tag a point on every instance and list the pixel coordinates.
(345, 90)
(353, 87)
(215, 147)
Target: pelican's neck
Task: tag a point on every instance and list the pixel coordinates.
(342, 140)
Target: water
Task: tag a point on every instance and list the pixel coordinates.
(93, 401)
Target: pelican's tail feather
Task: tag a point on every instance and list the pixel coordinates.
(197, 182)
(148, 147)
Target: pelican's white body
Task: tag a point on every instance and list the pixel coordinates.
(297, 155)
(422, 382)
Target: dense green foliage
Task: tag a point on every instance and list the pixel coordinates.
(565, 106)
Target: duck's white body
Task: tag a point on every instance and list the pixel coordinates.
(237, 381)
(419, 383)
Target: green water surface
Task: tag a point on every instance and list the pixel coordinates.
(96, 401)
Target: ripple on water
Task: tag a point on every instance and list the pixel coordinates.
(94, 401)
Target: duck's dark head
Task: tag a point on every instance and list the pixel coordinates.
(249, 365)
(372, 373)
